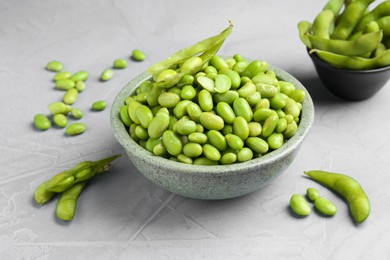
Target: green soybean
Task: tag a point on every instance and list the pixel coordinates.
(106, 74)
(144, 115)
(168, 99)
(60, 120)
(76, 113)
(185, 126)
(275, 140)
(217, 140)
(257, 145)
(197, 137)
(270, 124)
(80, 75)
(234, 141)
(223, 83)
(228, 158)
(54, 65)
(59, 108)
(138, 55)
(62, 75)
(180, 109)
(211, 121)
(299, 205)
(211, 153)
(325, 206)
(204, 161)
(65, 84)
(241, 127)
(225, 111)
(245, 154)
(120, 64)
(41, 122)
(75, 129)
(192, 149)
(80, 86)
(172, 142)
(70, 96)
(255, 128)
(242, 108)
(205, 100)
(188, 92)
(159, 123)
(312, 194)
(99, 105)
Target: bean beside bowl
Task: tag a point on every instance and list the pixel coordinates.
(211, 182)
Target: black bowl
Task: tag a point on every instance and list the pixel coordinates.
(352, 85)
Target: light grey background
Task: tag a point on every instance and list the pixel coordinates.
(121, 215)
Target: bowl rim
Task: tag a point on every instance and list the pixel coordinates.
(132, 147)
(323, 63)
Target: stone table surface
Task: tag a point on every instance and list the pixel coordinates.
(122, 215)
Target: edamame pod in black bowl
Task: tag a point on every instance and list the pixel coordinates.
(350, 84)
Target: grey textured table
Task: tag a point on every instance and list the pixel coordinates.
(121, 215)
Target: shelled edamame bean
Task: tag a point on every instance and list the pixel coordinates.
(241, 113)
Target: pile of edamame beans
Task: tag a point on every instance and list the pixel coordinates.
(72, 84)
(349, 35)
(209, 110)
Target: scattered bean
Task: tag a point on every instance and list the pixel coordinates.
(120, 64)
(138, 55)
(106, 74)
(99, 105)
(55, 66)
(41, 122)
(299, 205)
(75, 129)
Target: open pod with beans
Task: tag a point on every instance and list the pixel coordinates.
(350, 34)
(202, 108)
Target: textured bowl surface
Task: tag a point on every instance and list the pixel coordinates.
(211, 182)
(352, 85)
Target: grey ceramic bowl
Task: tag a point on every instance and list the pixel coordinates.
(211, 182)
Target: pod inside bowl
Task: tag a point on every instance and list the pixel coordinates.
(354, 85)
(211, 182)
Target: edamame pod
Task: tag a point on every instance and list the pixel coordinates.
(304, 28)
(66, 206)
(349, 18)
(190, 51)
(323, 24)
(348, 188)
(353, 62)
(361, 45)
